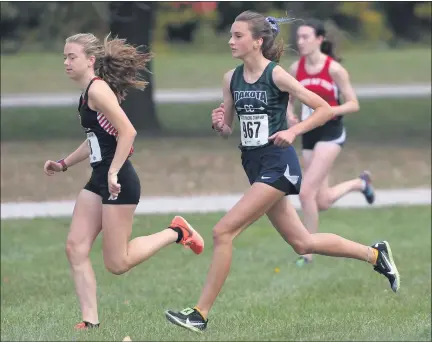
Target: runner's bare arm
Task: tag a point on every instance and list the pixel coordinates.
(342, 80)
(322, 110)
(292, 99)
(80, 154)
(105, 101)
(228, 105)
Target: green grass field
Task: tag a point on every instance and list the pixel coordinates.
(333, 299)
(397, 121)
(36, 72)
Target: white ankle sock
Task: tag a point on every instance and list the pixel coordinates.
(364, 185)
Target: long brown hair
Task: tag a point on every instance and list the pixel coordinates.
(266, 28)
(117, 62)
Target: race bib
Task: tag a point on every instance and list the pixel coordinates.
(95, 151)
(254, 129)
(306, 112)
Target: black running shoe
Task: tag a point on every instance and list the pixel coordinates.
(386, 266)
(188, 318)
(368, 192)
(302, 261)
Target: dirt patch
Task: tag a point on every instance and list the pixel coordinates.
(192, 166)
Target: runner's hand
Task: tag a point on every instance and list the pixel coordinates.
(113, 186)
(51, 167)
(283, 138)
(218, 117)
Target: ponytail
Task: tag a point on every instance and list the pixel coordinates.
(327, 46)
(274, 51)
(328, 49)
(120, 66)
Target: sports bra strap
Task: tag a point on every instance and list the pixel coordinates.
(84, 96)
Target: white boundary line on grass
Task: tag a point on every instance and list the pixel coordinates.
(212, 203)
(204, 95)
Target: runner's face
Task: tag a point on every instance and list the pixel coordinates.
(307, 41)
(75, 60)
(241, 42)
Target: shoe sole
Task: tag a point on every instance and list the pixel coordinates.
(390, 255)
(193, 233)
(369, 181)
(175, 321)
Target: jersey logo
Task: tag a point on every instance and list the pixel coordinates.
(249, 108)
(260, 95)
(317, 82)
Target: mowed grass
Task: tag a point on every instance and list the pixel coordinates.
(44, 72)
(403, 121)
(332, 299)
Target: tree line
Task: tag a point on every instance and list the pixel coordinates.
(48, 23)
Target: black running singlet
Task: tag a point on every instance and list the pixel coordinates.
(101, 135)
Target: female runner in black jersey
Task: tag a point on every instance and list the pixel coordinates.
(105, 71)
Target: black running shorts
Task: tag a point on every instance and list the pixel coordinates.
(275, 166)
(331, 131)
(128, 179)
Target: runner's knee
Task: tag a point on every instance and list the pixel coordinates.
(302, 245)
(323, 203)
(308, 193)
(117, 266)
(223, 234)
(77, 252)
(227, 229)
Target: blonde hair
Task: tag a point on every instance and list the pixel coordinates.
(117, 62)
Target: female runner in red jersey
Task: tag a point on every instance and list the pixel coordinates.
(319, 71)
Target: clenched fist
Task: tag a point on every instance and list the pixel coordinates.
(218, 118)
(51, 167)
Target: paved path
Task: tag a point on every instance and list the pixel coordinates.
(202, 95)
(209, 204)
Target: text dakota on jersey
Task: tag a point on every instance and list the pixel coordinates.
(260, 95)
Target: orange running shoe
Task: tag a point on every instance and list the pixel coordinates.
(191, 238)
(86, 325)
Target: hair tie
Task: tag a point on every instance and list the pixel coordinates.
(274, 23)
